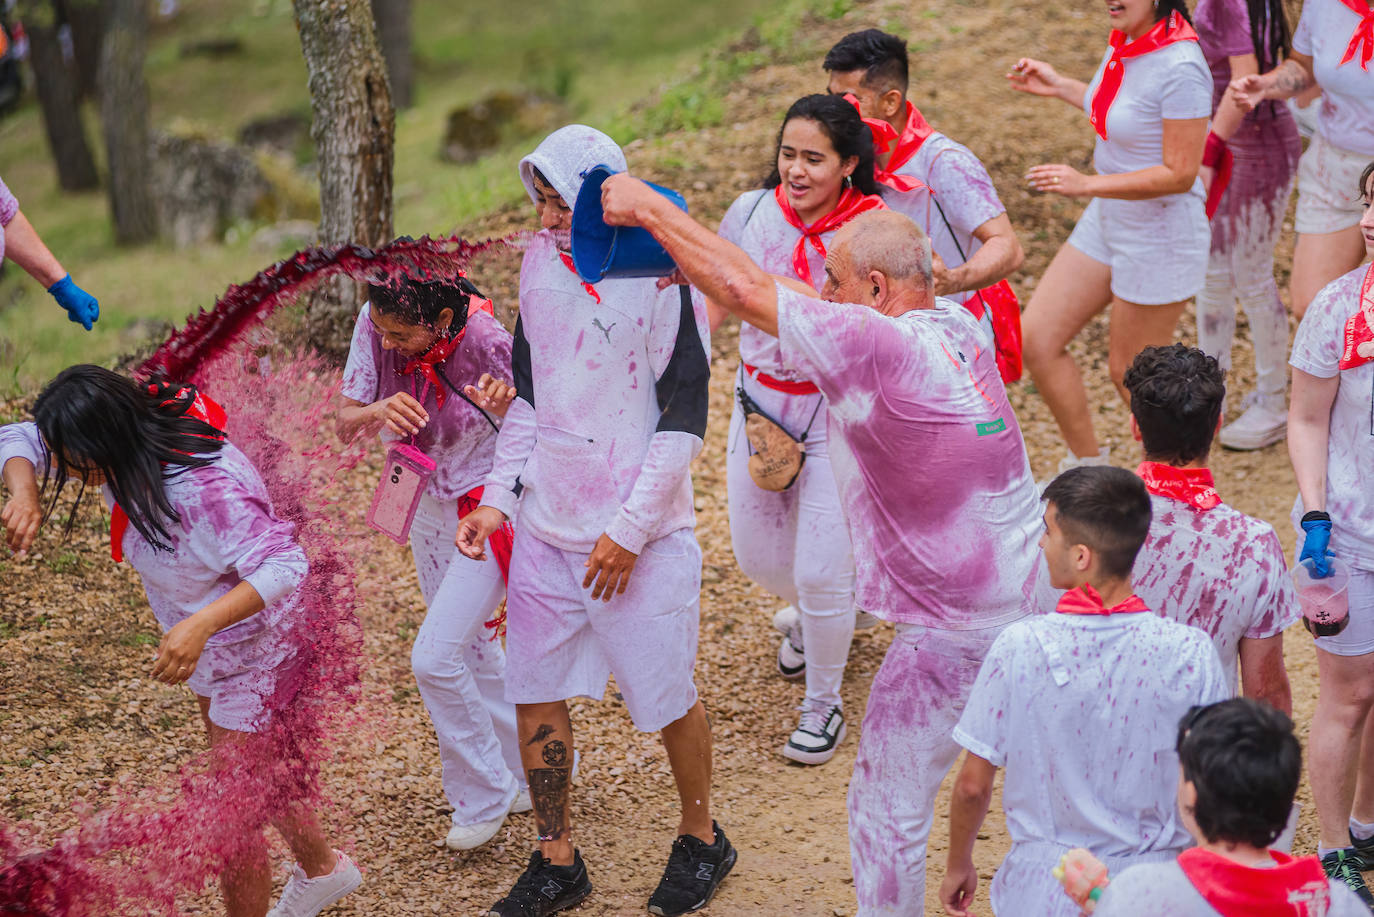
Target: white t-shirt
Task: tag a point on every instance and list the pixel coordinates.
(1350, 447)
(1346, 118)
(1163, 890)
(963, 190)
(755, 223)
(928, 456)
(1218, 570)
(1083, 712)
(1169, 84)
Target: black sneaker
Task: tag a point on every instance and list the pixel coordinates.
(544, 889)
(695, 869)
(1364, 850)
(1344, 866)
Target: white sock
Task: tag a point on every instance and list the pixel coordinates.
(1360, 830)
(1323, 851)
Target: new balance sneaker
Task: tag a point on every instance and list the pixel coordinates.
(817, 736)
(695, 870)
(1263, 422)
(1364, 849)
(544, 888)
(791, 659)
(1344, 866)
(306, 897)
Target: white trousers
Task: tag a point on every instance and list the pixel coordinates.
(906, 748)
(461, 670)
(795, 543)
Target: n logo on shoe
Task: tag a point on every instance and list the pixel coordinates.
(705, 870)
(551, 889)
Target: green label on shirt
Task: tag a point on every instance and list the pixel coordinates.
(992, 426)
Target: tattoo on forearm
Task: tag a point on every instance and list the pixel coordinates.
(549, 795)
(1292, 78)
(540, 734)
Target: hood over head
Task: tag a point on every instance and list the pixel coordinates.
(565, 154)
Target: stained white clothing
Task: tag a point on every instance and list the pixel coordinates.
(1218, 570)
(1082, 711)
(1346, 118)
(1350, 448)
(1134, 238)
(460, 669)
(1328, 188)
(1164, 890)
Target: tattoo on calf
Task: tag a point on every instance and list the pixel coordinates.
(540, 734)
(549, 795)
(555, 754)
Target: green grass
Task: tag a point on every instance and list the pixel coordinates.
(601, 57)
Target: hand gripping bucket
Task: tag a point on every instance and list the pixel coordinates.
(599, 250)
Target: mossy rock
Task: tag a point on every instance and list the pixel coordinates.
(477, 129)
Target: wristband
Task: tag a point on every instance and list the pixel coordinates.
(1315, 515)
(1214, 151)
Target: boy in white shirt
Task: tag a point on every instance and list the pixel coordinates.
(1080, 708)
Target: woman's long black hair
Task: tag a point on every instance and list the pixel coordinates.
(136, 436)
(847, 132)
(1164, 7)
(1269, 33)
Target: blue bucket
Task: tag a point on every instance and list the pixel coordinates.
(599, 250)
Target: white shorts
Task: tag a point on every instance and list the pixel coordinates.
(562, 643)
(1157, 249)
(1328, 188)
(1358, 637)
(240, 679)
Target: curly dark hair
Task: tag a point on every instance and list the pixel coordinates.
(1176, 395)
(848, 134)
(1244, 761)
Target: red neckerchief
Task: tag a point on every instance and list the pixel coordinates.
(203, 408)
(852, 202)
(568, 263)
(1359, 328)
(1292, 887)
(1193, 486)
(1085, 600)
(424, 364)
(907, 144)
(1362, 39)
(1173, 28)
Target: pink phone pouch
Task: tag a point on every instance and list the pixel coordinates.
(398, 493)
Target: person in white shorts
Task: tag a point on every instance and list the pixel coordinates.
(222, 575)
(925, 174)
(941, 549)
(1204, 563)
(416, 347)
(610, 409)
(1141, 245)
(1079, 707)
(1240, 766)
(822, 177)
(1331, 444)
(1333, 50)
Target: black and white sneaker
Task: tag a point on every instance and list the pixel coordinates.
(791, 659)
(544, 889)
(817, 736)
(695, 869)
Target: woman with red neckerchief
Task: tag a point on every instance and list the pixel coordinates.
(418, 350)
(794, 542)
(1333, 50)
(1141, 245)
(1331, 444)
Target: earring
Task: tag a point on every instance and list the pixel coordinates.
(1156, 5)
(849, 181)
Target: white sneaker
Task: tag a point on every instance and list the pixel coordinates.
(306, 897)
(522, 802)
(1103, 457)
(817, 736)
(791, 659)
(786, 620)
(863, 620)
(1262, 423)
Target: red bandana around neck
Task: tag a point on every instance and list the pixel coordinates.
(568, 263)
(203, 408)
(852, 202)
(424, 364)
(1359, 328)
(1292, 887)
(1173, 28)
(1193, 486)
(1085, 600)
(907, 144)
(1362, 39)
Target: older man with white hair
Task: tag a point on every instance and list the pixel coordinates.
(934, 480)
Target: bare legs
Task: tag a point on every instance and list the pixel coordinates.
(1340, 760)
(546, 748)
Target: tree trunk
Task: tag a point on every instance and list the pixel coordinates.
(124, 114)
(354, 132)
(57, 98)
(393, 34)
(87, 21)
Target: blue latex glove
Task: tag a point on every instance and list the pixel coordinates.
(81, 306)
(1314, 547)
